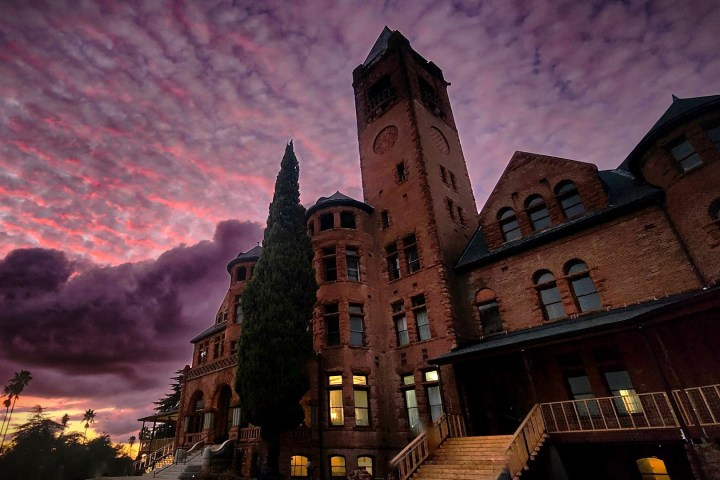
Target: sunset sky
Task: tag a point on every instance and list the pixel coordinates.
(139, 143)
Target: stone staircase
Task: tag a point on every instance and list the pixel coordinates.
(466, 458)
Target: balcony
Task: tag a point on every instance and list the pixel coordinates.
(206, 368)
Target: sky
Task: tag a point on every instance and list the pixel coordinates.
(140, 140)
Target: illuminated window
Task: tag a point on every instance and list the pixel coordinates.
(538, 213)
(362, 404)
(352, 260)
(582, 286)
(569, 199)
(331, 315)
(329, 264)
(421, 317)
(400, 321)
(550, 300)
(412, 257)
(203, 352)
(393, 261)
(298, 466)
(509, 225)
(365, 463)
(357, 334)
(337, 466)
(487, 305)
(411, 405)
(652, 468)
(335, 403)
(433, 394)
(685, 155)
(620, 386)
(238, 310)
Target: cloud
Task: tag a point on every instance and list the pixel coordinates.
(111, 335)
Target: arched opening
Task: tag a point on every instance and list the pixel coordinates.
(194, 417)
(224, 415)
(487, 305)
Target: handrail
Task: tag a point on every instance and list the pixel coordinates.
(410, 457)
(151, 459)
(703, 402)
(526, 440)
(249, 434)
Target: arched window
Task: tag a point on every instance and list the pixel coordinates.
(337, 466)
(298, 466)
(538, 212)
(569, 199)
(582, 286)
(366, 463)
(508, 224)
(549, 295)
(487, 305)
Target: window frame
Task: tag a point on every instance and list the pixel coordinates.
(338, 409)
(361, 387)
(486, 300)
(574, 278)
(392, 257)
(334, 470)
(535, 204)
(356, 315)
(506, 216)
(344, 215)
(323, 223)
(565, 192)
(302, 473)
(365, 467)
(418, 307)
(399, 314)
(329, 263)
(352, 255)
(411, 253)
(331, 317)
(548, 286)
(682, 160)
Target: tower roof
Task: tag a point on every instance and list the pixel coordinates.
(338, 199)
(252, 254)
(379, 47)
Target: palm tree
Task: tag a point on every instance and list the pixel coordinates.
(13, 390)
(88, 418)
(131, 442)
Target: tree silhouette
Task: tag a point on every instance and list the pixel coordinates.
(13, 389)
(88, 418)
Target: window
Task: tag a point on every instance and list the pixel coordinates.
(538, 213)
(311, 228)
(347, 220)
(366, 463)
(337, 466)
(352, 260)
(411, 405)
(433, 394)
(453, 181)
(203, 352)
(582, 286)
(219, 346)
(384, 219)
(509, 225)
(714, 134)
(362, 405)
(443, 174)
(569, 199)
(428, 95)
(240, 274)
(580, 389)
(461, 217)
(400, 321)
(401, 172)
(393, 261)
(233, 346)
(549, 294)
(332, 324)
(421, 317)
(715, 210)
(450, 208)
(412, 258)
(620, 386)
(487, 305)
(327, 222)
(335, 400)
(357, 335)
(685, 155)
(298, 466)
(238, 310)
(329, 264)
(380, 93)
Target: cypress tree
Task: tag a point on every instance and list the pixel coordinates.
(278, 301)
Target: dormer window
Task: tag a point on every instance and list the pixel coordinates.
(538, 213)
(685, 155)
(509, 225)
(569, 199)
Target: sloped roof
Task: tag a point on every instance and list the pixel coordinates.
(338, 199)
(599, 321)
(679, 110)
(252, 254)
(379, 47)
(218, 327)
(624, 192)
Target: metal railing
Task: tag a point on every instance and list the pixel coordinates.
(623, 412)
(526, 440)
(249, 434)
(158, 458)
(699, 405)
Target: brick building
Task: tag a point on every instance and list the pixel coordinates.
(586, 298)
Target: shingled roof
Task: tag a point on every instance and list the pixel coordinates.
(252, 254)
(338, 199)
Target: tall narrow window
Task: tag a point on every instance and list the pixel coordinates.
(362, 404)
(569, 199)
(433, 393)
(538, 213)
(443, 174)
(380, 93)
(453, 181)
(411, 405)
(509, 225)
(366, 463)
(203, 352)
(685, 155)
(549, 294)
(582, 286)
(331, 316)
(714, 134)
(461, 217)
(327, 221)
(337, 467)
(450, 205)
(400, 321)
(421, 317)
(412, 257)
(238, 310)
(329, 264)
(240, 274)
(335, 400)
(401, 172)
(580, 389)
(487, 305)
(347, 220)
(384, 219)
(311, 228)
(715, 210)
(352, 260)
(621, 387)
(298, 466)
(219, 346)
(357, 334)
(393, 261)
